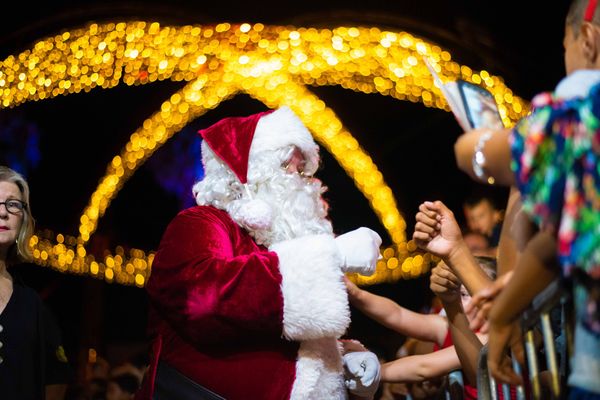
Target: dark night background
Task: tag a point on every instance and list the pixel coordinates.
(411, 144)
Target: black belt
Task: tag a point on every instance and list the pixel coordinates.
(171, 384)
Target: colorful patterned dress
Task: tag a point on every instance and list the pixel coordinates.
(555, 151)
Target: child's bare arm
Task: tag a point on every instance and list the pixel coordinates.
(446, 285)
(429, 327)
(421, 367)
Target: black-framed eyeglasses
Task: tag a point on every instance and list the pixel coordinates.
(14, 206)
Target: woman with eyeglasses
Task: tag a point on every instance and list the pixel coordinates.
(33, 364)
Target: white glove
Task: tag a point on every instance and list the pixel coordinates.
(360, 250)
(361, 373)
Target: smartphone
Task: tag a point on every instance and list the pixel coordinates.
(480, 106)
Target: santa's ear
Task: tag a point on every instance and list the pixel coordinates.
(590, 42)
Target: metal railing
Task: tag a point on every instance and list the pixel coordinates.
(487, 389)
(551, 305)
(555, 299)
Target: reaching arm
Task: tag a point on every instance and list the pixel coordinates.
(507, 246)
(445, 284)
(537, 268)
(464, 265)
(437, 231)
(466, 342)
(429, 327)
(517, 229)
(421, 367)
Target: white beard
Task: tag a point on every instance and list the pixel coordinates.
(297, 208)
(286, 205)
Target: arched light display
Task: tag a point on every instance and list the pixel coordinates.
(273, 64)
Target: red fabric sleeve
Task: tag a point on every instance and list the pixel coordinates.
(212, 283)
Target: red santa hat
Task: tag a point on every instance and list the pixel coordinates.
(234, 139)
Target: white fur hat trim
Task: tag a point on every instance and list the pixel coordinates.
(283, 128)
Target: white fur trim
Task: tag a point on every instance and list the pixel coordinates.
(315, 301)
(319, 371)
(283, 128)
(577, 84)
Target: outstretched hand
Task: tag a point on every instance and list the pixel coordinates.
(352, 288)
(436, 229)
(444, 283)
(483, 301)
(501, 338)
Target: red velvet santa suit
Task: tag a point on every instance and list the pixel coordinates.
(243, 321)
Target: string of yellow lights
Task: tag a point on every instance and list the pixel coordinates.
(273, 64)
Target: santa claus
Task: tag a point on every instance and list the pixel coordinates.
(247, 299)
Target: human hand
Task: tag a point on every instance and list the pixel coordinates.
(517, 349)
(483, 301)
(362, 373)
(436, 229)
(360, 250)
(501, 337)
(353, 290)
(444, 283)
(351, 345)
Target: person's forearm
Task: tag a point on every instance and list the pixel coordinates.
(405, 369)
(429, 327)
(536, 269)
(421, 367)
(466, 342)
(507, 247)
(496, 151)
(466, 268)
(378, 308)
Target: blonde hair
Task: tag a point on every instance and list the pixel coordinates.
(20, 251)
